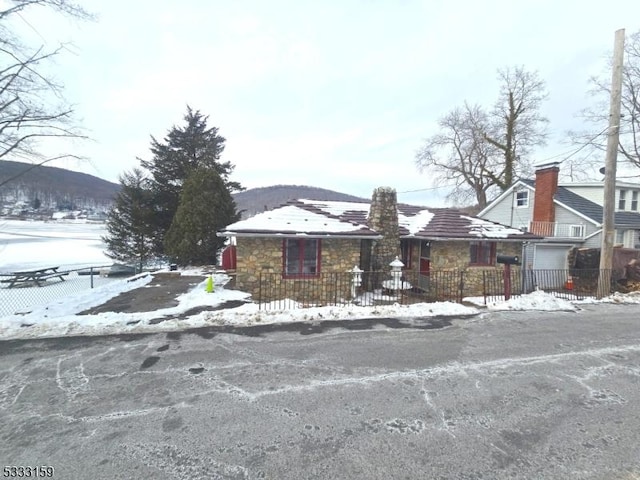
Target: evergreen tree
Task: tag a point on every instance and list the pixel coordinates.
(206, 206)
(184, 149)
(129, 222)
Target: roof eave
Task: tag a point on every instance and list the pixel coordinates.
(575, 212)
(461, 239)
(299, 235)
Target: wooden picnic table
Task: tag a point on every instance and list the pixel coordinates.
(36, 276)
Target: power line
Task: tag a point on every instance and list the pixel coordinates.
(31, 27)
(568, 153)
(571, 153)
(585, 144)
(427, 189)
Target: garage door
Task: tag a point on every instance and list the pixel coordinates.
(550, 264)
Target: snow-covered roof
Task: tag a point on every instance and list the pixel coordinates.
(485, 228)
(350, 219)
(294, 220)
(415, 223)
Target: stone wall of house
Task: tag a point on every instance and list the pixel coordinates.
(338, 257)
(383, 218)
(256, 256)
(454, 256)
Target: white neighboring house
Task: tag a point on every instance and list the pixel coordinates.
(567, 215)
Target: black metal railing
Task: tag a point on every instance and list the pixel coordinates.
(571, 284)
(374, 288)
(379, 288)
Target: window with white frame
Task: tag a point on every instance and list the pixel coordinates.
(577, 231)
(634, 200)
(620, 237)
(522, 198)
(622, 200)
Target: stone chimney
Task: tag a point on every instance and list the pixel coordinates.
(546, 186)
(383, 218)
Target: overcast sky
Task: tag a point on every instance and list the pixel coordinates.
(337, 94)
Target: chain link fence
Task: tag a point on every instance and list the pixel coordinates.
(20, 292)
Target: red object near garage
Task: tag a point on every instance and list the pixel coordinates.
(229, 258)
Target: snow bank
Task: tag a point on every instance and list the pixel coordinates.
(537, 300)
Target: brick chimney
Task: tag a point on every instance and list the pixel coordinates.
(546, 186)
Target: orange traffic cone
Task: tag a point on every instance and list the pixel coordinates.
(569, 284)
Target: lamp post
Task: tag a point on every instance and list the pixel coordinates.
(396, 273)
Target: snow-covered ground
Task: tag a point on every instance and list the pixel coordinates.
(60, 316)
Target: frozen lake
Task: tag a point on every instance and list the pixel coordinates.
(67, 244)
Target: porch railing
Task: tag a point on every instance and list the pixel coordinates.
(558, 230)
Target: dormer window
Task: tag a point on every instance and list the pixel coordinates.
(522, 198)
(622, 200)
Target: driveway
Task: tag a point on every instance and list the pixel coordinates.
(160, 293)
(544, 395)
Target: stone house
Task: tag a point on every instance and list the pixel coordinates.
(305, 240)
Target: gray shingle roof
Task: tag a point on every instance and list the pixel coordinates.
(588, 208)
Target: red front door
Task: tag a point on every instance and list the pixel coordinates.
(425, 264)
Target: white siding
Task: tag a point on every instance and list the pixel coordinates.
(629, 238)
(595, 193)
(507, 213)
(569, 218)
(594, 242)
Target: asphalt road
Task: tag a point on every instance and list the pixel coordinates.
(506, 395)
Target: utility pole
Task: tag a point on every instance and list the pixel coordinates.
(608, 217)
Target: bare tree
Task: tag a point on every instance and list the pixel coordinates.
(517, 126)
(460, 154)
(484, 151)
(32, 106)
(593, 140)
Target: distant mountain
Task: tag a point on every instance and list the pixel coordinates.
(61, 188)
(54, 186)
(256, 200)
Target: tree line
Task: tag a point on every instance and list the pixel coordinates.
(174, 204)
(482, 151)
